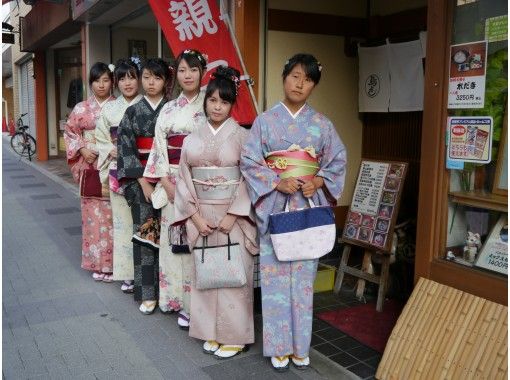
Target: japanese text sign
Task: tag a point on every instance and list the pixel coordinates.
(470, 139)
(198, 24)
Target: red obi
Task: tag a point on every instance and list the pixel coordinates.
(174, 148)
(144, 145)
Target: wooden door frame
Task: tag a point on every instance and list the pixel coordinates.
(434, 178)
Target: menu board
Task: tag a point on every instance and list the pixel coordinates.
(375, 203)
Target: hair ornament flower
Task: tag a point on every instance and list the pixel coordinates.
(201, 57)
(237, 83)
(111, 67)
(319, 66)
(137, 62)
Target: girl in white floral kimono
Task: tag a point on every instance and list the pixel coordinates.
(177, 119)
(212, 199)
(126, 75)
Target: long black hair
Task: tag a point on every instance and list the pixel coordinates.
(97, 70)
(310, 64)
(226, 81)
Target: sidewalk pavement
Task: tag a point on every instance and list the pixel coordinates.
(59, 324)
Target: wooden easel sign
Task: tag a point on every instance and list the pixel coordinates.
(375, 203)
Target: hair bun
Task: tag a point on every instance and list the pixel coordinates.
(227, 73)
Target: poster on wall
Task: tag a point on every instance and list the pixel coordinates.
(496, 28)
(469, 139)
(467, 75)
(494, 253)
(374, 207)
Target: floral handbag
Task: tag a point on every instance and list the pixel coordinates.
(178, 238)
(218, 266)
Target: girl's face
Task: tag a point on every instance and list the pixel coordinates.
(297, 86)
(152, 84)
(128, 86)
(188, 77)
(218, 110)
(101, 86)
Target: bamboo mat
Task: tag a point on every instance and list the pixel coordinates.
(444, 333)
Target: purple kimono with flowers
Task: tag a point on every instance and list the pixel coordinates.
(287, 287)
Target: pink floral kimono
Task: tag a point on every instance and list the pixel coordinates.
(96, 214)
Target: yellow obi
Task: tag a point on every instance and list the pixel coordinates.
(298, 163)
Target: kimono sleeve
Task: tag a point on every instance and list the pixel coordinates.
(157, 163)
(332, 164)
(73, 136)
(128, 164)
(260, 178)
(185, 201)
(104, 145)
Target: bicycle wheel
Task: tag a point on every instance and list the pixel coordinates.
(30, 147)
(23, 147)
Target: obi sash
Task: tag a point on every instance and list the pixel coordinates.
(144, 145)
(112, 173)
(298, 164)
(174, 148)
(215, 183)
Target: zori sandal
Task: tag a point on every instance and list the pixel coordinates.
(108, 277)
(227, 351)
(148, 307)
(210, 346)
(300, 363)
(280, 363)
(97, 276)
(183, 320)
(127, 287)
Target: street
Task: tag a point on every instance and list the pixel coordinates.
(59, 324)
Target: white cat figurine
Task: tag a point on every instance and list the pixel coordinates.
(473, 245)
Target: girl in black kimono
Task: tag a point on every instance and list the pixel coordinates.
(136, 132)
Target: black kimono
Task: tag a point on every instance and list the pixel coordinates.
(136, 126)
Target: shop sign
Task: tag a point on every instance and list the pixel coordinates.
(79, 7)
(374, 207)
(496, 28)
(470, 139)
(494, 253)
(467, 75)
(198, 24)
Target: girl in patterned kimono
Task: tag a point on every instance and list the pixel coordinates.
(222, 317)
(291, 125)
(126, 76)
(136, 133)
(177, 119)
(82, 153)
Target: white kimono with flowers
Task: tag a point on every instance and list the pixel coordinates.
(110, 116)
(179, 116)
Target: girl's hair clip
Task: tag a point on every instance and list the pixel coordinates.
(319, 66)
(111, 67)
(136, 61)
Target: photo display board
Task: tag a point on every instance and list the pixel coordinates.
(374, 206)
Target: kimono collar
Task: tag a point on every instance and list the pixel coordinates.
(136, 99)
(297, 112)
(154, 106)
(101, 104)
(217, 130)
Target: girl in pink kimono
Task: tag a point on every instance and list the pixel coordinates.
(82, 153)
(211, 198)
(177, 119)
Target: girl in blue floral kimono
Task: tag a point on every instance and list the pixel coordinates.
(290, 126)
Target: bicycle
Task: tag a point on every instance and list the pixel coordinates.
(22, 142)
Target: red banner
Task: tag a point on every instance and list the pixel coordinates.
(196, 24)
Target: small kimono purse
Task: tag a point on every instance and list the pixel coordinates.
(312, 230)
(178, 239)
(91, 186)
(159, 198)
(219, 266)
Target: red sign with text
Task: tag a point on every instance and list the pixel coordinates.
(197, 24)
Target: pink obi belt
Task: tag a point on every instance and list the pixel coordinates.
(144, 145)
(174, 148)
(298, 164)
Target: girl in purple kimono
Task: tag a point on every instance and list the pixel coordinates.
(290, 126)
(82, 153)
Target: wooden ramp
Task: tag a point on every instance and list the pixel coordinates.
(444, 333)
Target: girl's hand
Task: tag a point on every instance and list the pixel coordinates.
(204, 227)
(227, 223)
(310, 187)
(147, 188)
(113, 153)
(288, 185)
(88, 155)
(169, 188)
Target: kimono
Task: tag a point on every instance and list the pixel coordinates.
(96, 214)
(139, 121)
(178, 116)
(287, 287)
(226, 314)
(106, 135)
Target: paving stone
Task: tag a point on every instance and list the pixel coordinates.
(31, 185)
